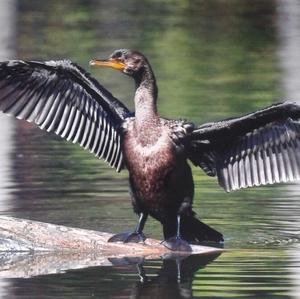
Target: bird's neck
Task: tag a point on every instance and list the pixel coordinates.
(145, 99)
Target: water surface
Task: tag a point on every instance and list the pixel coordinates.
(212, 59)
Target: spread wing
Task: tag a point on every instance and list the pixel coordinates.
(61, 97)
(257, 149)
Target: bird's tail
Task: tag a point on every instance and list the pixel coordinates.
(192, 229)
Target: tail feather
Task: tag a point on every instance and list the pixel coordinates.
(193, 229)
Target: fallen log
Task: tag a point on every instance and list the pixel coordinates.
(21, 235)
(30, 248)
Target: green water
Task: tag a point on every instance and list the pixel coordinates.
(212, 59)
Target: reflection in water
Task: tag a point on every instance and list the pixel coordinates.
(7, 51)
(174, 279)
(289, 33)
(8, 15)
(246, 274)
(171, 277)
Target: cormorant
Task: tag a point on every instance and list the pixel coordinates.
(256, 149)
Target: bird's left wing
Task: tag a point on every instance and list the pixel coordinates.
(61, 97)
(257, 149)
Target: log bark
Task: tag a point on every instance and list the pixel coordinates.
(21, 235)
(29, 248)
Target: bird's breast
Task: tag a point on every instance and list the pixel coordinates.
(149, 164)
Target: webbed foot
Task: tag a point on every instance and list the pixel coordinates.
(177, 244)
(128, 237)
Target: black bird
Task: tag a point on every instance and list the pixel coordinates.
(256, 149)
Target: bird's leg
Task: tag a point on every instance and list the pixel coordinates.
(141, 273)
(138, 235)
(134, 237)
(176, 243)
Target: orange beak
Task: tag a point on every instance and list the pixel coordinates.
(113, 63)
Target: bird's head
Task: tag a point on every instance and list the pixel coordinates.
(131, 63)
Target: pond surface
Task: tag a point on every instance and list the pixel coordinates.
(212, 59)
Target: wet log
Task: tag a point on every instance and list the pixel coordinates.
(29, 248)
(21, 235)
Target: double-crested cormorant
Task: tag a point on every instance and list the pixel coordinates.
(59, 96)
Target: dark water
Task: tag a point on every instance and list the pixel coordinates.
(213, 59)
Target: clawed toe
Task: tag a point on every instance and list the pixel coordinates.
(177, 244)
(128, 237)
(135, 238)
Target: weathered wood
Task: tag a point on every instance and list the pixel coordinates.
(21, 235)
(30, 248)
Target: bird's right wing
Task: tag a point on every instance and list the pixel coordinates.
(256, 149)
(61, 97)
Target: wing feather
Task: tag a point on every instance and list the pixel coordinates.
(272, 156)
(256, 149)
(61, 97)
(65, 114)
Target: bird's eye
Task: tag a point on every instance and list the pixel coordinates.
(118, 54)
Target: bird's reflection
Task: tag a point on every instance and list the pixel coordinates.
(174, 279)
(167, 277)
